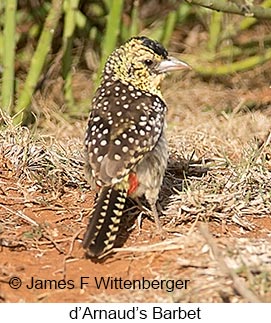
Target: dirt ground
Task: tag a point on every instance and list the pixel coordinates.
(215, 200)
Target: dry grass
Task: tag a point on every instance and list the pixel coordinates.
(42, 158)
(217, 175)
(219, 172)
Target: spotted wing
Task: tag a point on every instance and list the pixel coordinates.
(123, 126)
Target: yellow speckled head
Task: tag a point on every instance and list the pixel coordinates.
(141, 62)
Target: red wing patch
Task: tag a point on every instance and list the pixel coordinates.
(133, 181)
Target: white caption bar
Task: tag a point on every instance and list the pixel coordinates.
(128, 312)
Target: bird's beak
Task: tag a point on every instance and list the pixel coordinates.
(172, 64)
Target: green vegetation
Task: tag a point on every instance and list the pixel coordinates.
(35, 38)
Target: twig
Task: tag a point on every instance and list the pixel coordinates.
(231, 7)
(21, 215)
(72, 243)
(46, 234)
(172, 244)
(237, 283)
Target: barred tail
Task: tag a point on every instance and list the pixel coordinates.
(104, 222)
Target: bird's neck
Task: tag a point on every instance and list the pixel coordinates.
(150, 85)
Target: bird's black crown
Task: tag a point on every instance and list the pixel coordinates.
(153, 45)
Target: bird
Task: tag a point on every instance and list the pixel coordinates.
(126, 150)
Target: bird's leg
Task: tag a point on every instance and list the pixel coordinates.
(153, 213)
(159, 227)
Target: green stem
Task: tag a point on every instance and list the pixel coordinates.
(240, 66)
(70, 7)
(111, 33)
(134, 19)
(169, 27)
(9, 55)
(38, 61)
(248, 21)
(214, 30)
(245, 23)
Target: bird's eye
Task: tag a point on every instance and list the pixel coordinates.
(148, 62)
